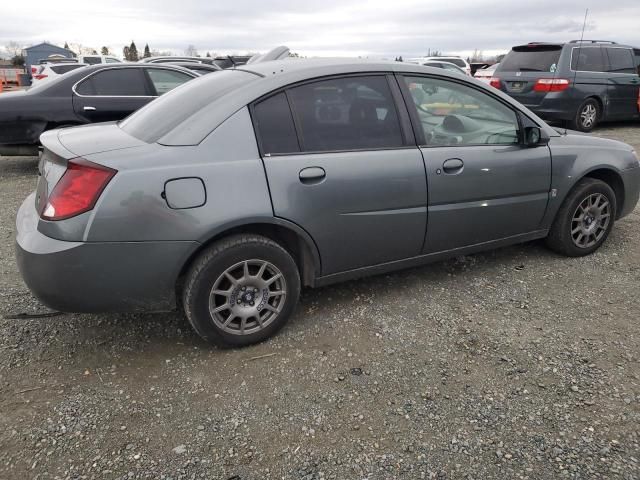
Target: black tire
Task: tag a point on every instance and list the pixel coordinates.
(587, 116)
(561, 238)
(208, 270)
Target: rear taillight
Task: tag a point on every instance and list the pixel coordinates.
(39, 77)
(551, 85)
(78, 190)
(495, 82)
(34, 70)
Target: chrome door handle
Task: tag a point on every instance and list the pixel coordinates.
(312, 175)
(89, 109)
(453, 166)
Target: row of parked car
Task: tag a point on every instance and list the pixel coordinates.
(580, 83)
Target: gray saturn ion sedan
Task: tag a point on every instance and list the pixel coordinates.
(231, 192)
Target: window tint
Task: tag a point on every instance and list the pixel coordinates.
(456, 61)
(274, 124)
(621, 60)
(346, 114)
(121, 82)
(165, 80)
(112, 60)
(92, 60)
(60, 69)
(542, 58)
(454, 114)
(587, 59)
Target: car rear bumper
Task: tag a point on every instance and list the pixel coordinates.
(551, 106)
(97, 276)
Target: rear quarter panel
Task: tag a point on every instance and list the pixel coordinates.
(133, 209)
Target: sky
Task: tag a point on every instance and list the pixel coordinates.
(317, 27)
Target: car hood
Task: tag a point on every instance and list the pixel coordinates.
(582, 139)
(95, 138)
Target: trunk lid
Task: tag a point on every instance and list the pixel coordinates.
(524, 65)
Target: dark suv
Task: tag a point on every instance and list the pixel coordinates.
(583, 82)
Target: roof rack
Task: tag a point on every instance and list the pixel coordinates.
(594, 41)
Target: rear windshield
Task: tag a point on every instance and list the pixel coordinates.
(456, 61)
(159, 117)
(541, 58)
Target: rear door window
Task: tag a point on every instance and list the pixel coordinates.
(164, 80)
(536, 58)
(60, 69)
(274, 125)
(92, 60)
(621, 60)
(587, 59)
(352, 113)
(117, 82)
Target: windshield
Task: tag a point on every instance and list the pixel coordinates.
(159, 117)
(456, 61)
(539, 58)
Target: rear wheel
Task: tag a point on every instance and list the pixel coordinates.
(585, 219)
(587, 116)
(241, 290)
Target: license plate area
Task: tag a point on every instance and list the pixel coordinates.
(516, 86)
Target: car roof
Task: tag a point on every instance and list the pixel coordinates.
(281, 73)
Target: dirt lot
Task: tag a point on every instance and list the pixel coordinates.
(515, 363)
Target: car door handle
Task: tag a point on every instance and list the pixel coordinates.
(89, 109)
(453, 166)
(635, 81)
(312, 175)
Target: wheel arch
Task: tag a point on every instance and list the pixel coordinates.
(290, 236)
(614, 180)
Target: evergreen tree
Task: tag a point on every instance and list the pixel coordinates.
(133, 52)
(147, 52)
(104, 51)
(125, 53)
(66, 45)
(208, 55)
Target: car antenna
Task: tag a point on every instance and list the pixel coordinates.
(575, 70)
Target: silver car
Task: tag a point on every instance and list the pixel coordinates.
(228, 194)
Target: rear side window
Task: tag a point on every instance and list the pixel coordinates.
(112, 60)
(92, 60)
(164, 80)
(121, 82)
(456, 61)
(538, 58)
(621, 60)
(274, 124)
(353, 113)
(587, 59)
(60, 69)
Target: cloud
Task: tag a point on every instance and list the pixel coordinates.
(315, 27)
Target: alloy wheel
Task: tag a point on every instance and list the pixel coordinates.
(247, 297)
(588, 115)
(590, 220)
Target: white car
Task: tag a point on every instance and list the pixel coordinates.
(48, 71)
(486, 74)
(457, 61)
(96, 59)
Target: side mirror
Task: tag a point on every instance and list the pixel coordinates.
(535, 136)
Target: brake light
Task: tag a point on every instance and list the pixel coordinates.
(495, 82)
(551, 85)
(78, 190)
(39, 77)
(34, 70)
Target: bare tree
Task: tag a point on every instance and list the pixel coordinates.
(191, 51)
(14, 48)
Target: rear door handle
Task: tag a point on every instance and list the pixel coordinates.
(89, 109)
(312, 175)
(453, 166)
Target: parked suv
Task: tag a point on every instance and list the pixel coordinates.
(582, 82)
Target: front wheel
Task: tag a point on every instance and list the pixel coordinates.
(241, 291)
(584, 220)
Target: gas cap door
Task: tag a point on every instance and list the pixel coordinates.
(188, 192)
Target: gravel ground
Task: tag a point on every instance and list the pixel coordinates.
(515, 363)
